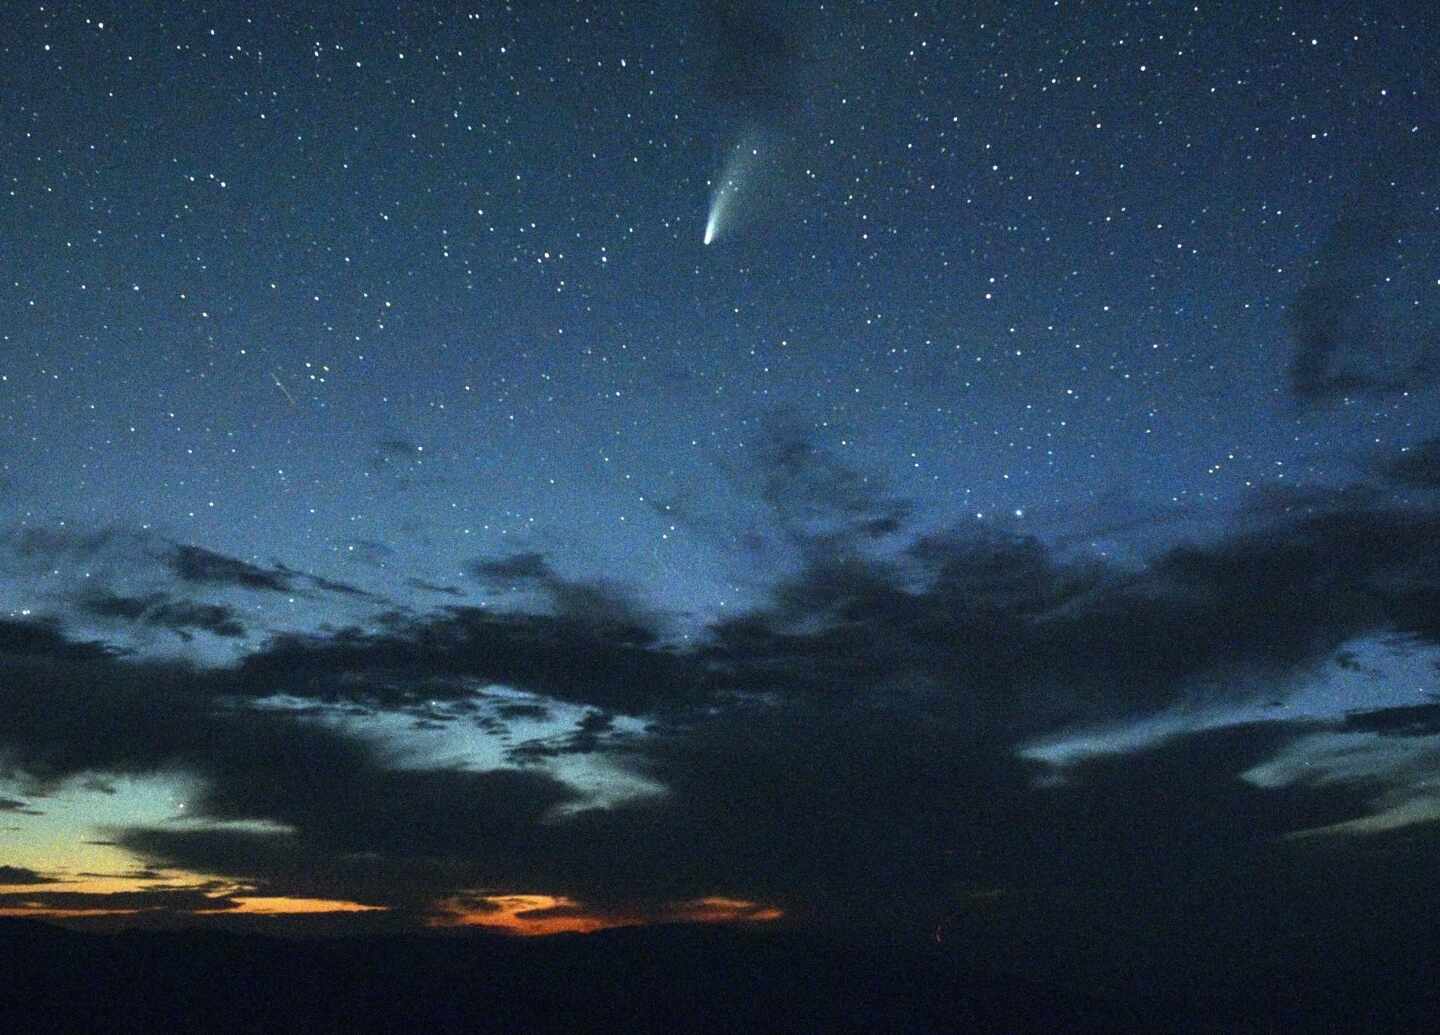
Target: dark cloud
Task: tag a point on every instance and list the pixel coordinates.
(847, 750)
(398, 448)
(754, 57)
(1419, 720)
(196, 565)
(175, 900)
(1264, 506)
(49, 543)
(817, 501)
(63, 716)
(933, 810)
(21, 875)
(407, 838)
(15, 805)
(840, 809)
(38, 639)
(370, 552)
(1418, 466)
(325, 585)
(138, 874)
(116, 557)
(590, 660)
(1163, 862)
(515, 568)
(181, 617)
(535, 712)
(811, 505)
(1349, 661)
(590, 734)
(403, 464)
(421, 813)
(1346, 342)
(432, 587)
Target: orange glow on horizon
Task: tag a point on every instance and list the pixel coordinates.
(40, 913)
(533, 915)
(519, 914)
(281, 905)
(19, 904)
(719, 910)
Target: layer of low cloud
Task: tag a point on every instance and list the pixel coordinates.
(849, 751)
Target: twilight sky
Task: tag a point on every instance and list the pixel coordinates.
(888, 466)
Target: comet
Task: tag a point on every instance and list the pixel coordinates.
(717, 213)
(712, 225)
(743, 158)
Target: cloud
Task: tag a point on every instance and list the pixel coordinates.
(1419, 466)
(196, 565)
(1024, 638)
(50, 543)
(800, 500)
(847, 750)
(22, 808)
(1346, 342)
(61, 716)
(162, 611)
(21, 875)
(407, 838)
(600, 608)
(370, 552)
(816, 500)
(1419, 720)
(431, 587)
(754, 57)
(398, 448)
(39, 639)
(613, 665)
(535, 712)
(518, 567)
(174, 900)
(1162, 862)
(402, 462)
(592, 733)
(325, 585)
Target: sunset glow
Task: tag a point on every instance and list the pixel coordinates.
(547, 914)
(280, 905)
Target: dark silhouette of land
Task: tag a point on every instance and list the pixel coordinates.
(667, 978)
(656, 979)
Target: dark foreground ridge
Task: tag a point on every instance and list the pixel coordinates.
(657, 979)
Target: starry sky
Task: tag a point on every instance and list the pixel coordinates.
(893, 467)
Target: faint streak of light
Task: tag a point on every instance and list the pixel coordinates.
(283, 390)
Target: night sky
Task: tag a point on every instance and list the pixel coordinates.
(927, 469)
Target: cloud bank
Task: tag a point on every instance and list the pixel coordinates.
(849, 753)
